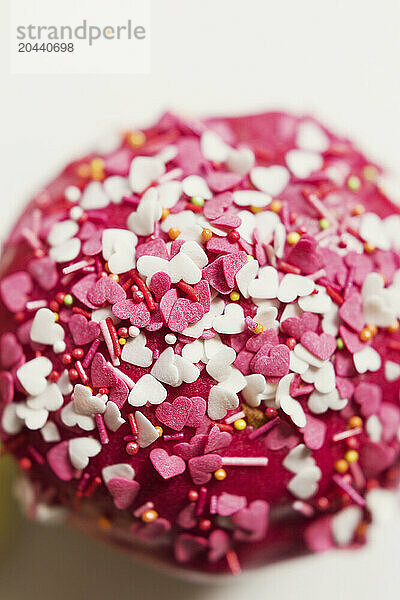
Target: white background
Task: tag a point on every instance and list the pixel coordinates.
(339, 59)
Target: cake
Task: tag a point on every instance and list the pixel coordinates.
(200, 343)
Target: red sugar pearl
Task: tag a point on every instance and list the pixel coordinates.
(193, 495)
(73, 374)
(60, 297)
(54, 376)
(19, 317)
(322, 503)
(39, 253)
(67, 359)
(205, 524)
(123, 332)
(132, 448)
(78, 353)
(104, 391)
(25, 463)
(291, 343)
(352, 443)
(233, 236)
(271, 412)
(54, 306)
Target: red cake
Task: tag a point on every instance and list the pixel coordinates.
(200, 343)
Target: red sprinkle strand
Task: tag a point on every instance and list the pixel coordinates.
(114, 336)
(80, 311)
(148, 298)
(337, 298)
(288, 268)
(188, 290)
(132, 423)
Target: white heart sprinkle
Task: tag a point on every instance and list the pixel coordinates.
(293, 286)
(367, 359)
(119, 250)
(266, 316)
(298, 459)
(181, 266)
(319, 303)
(61, 232)
(297, 365)
(149, 265)
(147, 389)
(196, 253)
(136, 352)
(165, 370)
(289, 405)
(119, 470)
(112, 416)
(194, 185)
(81, 450)
(66, 251)
(44, 328)
(251, 198)
(219, 366)
(319, 403)
(32, 375)
(87, 404)
(70, 418)
(303, 162)
(345, 523)
(50, 432)
(144, 171)
(169, 193)
(34, 418)
(64, 383)
(188, 372)
(240, 161)
(213, 147)
(94, 196)
(311, 137)
(10, 421)
(142, 221)
(304, 485)
(51, 398)
(271, 180)
(256, 390)
(245, 276)
(116, 188)
(194, 352)
(220, 400)
(372, 230)
(232, 321)
(266, 285)
(168, 153)
(323, 378)
(206, 322)
(147, 433)
(392, 370)
(374, 428)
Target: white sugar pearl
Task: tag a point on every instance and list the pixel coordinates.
(72, 193)
(75, 213)
(170, 338)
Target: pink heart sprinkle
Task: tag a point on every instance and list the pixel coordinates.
(275, 363)
(186, 518)
(219, 542)
(351, 312)
(369, 396)
(15, 290)
(243, 361)
(93, 245)
(214, 274)
(318, 535)
(183, 313)
(194, 447)
(6, 388)
(44, 272)
(296, 326)
(227, 221)
(60, 462)
(231, 264)
(160, 283)
(83, 331)
(102, 374)
(124, 491)
(345, 387)
(155, 247)
(151, 531)
(167, 466)
(197, 412)
(252, 521)
(218, 181)
(82, 287)
(106, 290)
(175, 414)
(314, 433)
(137, 312)
(215, 207)
(10, 350)
(256, 342)
(222, 245)
(229, 504)
(306, 255)
(217, 440)
(351, 340)
(322, 346)
(202, 467)
(203, 289)
(167, 303)
(281, 436)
